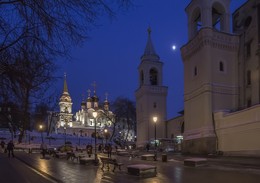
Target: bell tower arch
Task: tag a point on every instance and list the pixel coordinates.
(208, 13)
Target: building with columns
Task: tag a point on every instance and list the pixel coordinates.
(151, 96)
(222, 78)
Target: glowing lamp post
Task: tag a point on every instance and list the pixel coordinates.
(41, 128)
(155, 144)
(95, 116)
(106, 135)
(65, 134)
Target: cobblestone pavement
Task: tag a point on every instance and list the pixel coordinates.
(224, 169)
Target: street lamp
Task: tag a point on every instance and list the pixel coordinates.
(65, 130)
(155, 144)
(95, 115)
(41, 127)
(106, 135)
(65, 133)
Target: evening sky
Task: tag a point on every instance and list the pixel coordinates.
(111, 54)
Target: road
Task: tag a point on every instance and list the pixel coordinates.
(18, 172)
(69, 171)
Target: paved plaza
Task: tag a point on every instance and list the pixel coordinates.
(218, 169)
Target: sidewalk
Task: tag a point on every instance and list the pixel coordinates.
(228, 161)
(234, 169)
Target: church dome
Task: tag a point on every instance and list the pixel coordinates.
(89, 99)
(83, 103)
(95, 98)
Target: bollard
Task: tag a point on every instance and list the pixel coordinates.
(164, 157)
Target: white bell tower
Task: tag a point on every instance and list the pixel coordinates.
(65, 107)
(210, 70)
(151, 96)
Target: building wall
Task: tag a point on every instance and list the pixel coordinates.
(237, 132)
(210, 61)
(246, 23)
(150, 102)
(173, 127)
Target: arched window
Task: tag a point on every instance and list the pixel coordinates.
(195, 71)
(218, 18)
(153, 77)
(195, 22)
(249, 103)
(154, 105)
(221, 66)
(142, 77)
(248, 79)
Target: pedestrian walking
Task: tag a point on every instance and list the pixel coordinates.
(109, 150)
(89, 150)
(10, 148)
(44, 149)
(147, 147)
(99, 148)
(3, 146)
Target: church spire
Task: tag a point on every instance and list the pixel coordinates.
(106, 103)
(65, 100)
(149, 52)
(65, 86)
(65, 95)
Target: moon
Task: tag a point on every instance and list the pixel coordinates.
(174, 47)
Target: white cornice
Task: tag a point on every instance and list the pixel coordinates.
(210, 37)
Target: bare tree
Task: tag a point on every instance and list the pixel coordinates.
(32, 34)
(28, 74)
(125, 112)
(52, 24)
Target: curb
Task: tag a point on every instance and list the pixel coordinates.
(40, 171)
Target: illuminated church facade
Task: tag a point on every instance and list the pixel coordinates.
(83, 122)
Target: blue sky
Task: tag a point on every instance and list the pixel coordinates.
(111, 54)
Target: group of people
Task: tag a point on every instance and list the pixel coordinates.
(8, 149)
(107, 149)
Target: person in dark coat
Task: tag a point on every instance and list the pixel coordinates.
(10, 148)
(44, 149)
(147, 147)
(99, 148)
(3, 146)
(89, 150)
(109, 150)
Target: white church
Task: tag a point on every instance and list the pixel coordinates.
(221, 83)
(83, 122)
